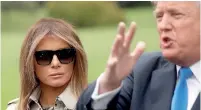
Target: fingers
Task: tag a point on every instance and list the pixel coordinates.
(129, 36)
(121, 29)
(118, 44)
(122, 41)
(140, 47)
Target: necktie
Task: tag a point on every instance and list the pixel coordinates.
(180, 97)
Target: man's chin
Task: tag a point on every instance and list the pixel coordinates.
(170, 54)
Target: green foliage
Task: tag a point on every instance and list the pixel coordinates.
(86, 13)
(133, 4)
(19, 5)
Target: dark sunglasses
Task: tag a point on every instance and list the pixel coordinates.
(65, 56)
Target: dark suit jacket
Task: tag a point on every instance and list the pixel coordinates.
(150, 86)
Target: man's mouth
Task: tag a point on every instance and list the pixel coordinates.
(166, 42)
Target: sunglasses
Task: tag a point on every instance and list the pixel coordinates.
(45, 57)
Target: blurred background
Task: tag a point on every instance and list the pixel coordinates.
(95, 22)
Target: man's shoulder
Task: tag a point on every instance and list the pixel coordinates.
(151, 58)
(12, 105)
(151, 55)
(148, 62)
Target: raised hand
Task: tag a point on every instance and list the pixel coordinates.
(120, 61)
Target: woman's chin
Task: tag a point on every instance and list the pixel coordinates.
(56, 83)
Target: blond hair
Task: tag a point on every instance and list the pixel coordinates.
(50, 27)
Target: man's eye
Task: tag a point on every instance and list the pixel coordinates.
(159, 17)
(159, 14)
(177, 15)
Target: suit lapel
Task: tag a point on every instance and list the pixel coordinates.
(161, 87)
(196, 105)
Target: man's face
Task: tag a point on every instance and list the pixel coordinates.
(178, 24)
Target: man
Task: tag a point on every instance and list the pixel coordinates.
(169, 80)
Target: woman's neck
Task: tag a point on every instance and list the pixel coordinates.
(49, 94)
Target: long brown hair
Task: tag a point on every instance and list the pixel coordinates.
(63, 30)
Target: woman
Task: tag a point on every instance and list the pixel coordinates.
(53, 67)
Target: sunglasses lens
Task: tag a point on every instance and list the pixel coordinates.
(66, 56)
(43, 57)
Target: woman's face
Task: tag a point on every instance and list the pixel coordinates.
(55, 73)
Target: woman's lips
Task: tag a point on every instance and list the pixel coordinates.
(56, 75)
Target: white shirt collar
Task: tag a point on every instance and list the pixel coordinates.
(68, 98)
(195, 68)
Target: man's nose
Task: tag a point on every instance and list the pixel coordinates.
(55, 62)
(165, 23)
